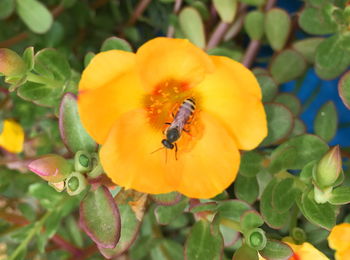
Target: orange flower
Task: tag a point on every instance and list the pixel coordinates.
(339, 240)
(125, 99)
(12, 136)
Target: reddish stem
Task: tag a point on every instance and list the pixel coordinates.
(217, 35)
(140, 8)
(177, 7)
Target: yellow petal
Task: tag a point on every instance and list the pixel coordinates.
(105, 67)
(306, 251)
(12, 137)
(343, 255)
(163, 59)
(233, 95)
(127, 156)
(211, 165)
(99, 108)
(339, 238)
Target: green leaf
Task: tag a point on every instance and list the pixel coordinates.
(192, 26)
(88, 57)
(326, 121)
(287, 65)
(46, 195)
(340, 196)
(235, 54)
(245, 253)
(52, 64)
(167, 199)
(166, 214)
(317, 21)
(307, 172)
(226, 9)
(166, 249)
(254, 24)
(279, 123)
(323, 215)
(246, 188)
(251, 163)
(277, 28)
(307, 47)
(276, 250)
(307, 148)
(232, 209)
(207, 206)
(268, 86)
(72, 132)
(100, 217)
(203, 242)
(6, 8)
(271, 216)
(229, 235)
(344, 89)
(250, 220)
(290, 101)
(284, 195)
(282, 160)
(299, 128)
(130, 226)
(35, 15)
(40, 94)
(115, 43)
(253, 2)
(333, 56)
(28, 57)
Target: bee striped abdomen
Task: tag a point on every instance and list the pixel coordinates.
(185, 111)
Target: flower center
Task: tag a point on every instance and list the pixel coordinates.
(164, 103)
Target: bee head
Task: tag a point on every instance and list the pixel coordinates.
(167, 144)
(172, 135)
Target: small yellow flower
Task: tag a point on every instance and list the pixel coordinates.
(339, 240)
(12, 136)
(126, 99)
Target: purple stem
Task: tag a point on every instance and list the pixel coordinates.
(254, 45)
(171, 29)
(217, 35)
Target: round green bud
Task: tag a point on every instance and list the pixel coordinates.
(256, 238)
(298, 235)
(76, 183)
(97, 169)
(82, 161)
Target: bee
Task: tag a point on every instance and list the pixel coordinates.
(173, 132)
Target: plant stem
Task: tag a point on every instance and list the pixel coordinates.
(171, 29)
(140, 8)
(217, 35)
(254, 45)
(37, 226)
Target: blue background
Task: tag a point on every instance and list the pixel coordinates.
(327, 90)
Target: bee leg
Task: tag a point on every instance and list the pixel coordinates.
(187, 132)
(167, 123)
(175, 151)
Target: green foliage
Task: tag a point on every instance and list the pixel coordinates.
(280, 189)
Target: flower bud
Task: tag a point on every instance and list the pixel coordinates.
(328, 168)
(11, 64)
(322, 196)
(256, 238)
(97, 169)
(52, 168)
(298, 235)
(82, 161)
(76, 183)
